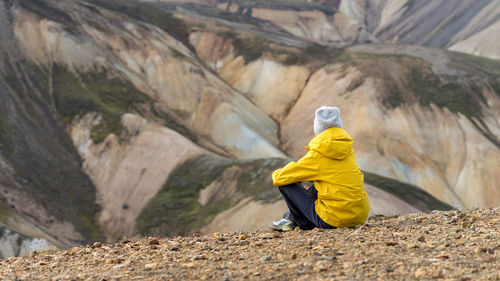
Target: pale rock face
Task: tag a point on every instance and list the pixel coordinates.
(45, 42)
(230, 7)
(481, 21)
(313, 25)
(187, 90)
(193, 93)
(438, 156)
(477, 180)
(213, 49)
(353, 9)
(386, 204)
(247, 215)
(411, 152)
(390, 12)
(12, 243)
(347, 25)
(351, 30)
(128, 174)
(465, 26)
(35, 244)
(270, 85)
(239, 139)
(480, 44)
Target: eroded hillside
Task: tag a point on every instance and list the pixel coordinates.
(123, 117)
(464, 26)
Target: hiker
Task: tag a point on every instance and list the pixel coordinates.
(336, 197)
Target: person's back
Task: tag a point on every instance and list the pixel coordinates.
(337, 198)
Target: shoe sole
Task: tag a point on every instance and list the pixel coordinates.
(281, 229)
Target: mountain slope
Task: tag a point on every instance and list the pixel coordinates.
(213, 194)
(456, 94)
(133, 111)
(40, 167)
(418, 120)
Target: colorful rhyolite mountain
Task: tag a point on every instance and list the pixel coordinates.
(125, 117)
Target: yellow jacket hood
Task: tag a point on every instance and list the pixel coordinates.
(333, 143)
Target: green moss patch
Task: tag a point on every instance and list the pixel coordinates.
(475, 65)
(408, 80)
(95, 92)
(149, 13)
(166, 120)
(44, 10)
(457, 97)
(5, 212)
(495, 86)
(255, 179)
(315, 54)
(411, 194)
(175, 209)
(251, 48)
(7, 144)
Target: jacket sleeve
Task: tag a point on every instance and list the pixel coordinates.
(306, 169)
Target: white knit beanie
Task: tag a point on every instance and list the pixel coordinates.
(326, 117)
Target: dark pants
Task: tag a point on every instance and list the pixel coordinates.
(301, 206)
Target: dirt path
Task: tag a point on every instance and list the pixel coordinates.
(454, 245)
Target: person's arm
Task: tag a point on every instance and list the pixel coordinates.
(306, 169)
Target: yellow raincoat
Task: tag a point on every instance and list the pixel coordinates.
(330, 163)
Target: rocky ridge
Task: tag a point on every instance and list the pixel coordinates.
(452, 245)
(463, 26)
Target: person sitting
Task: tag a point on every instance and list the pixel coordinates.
(336, 197)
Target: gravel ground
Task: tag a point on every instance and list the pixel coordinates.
(454, 245)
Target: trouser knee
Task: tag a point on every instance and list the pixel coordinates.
(282, 188)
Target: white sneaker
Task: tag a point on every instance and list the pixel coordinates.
(283, 225)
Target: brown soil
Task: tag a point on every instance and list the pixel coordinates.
(454, 245)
